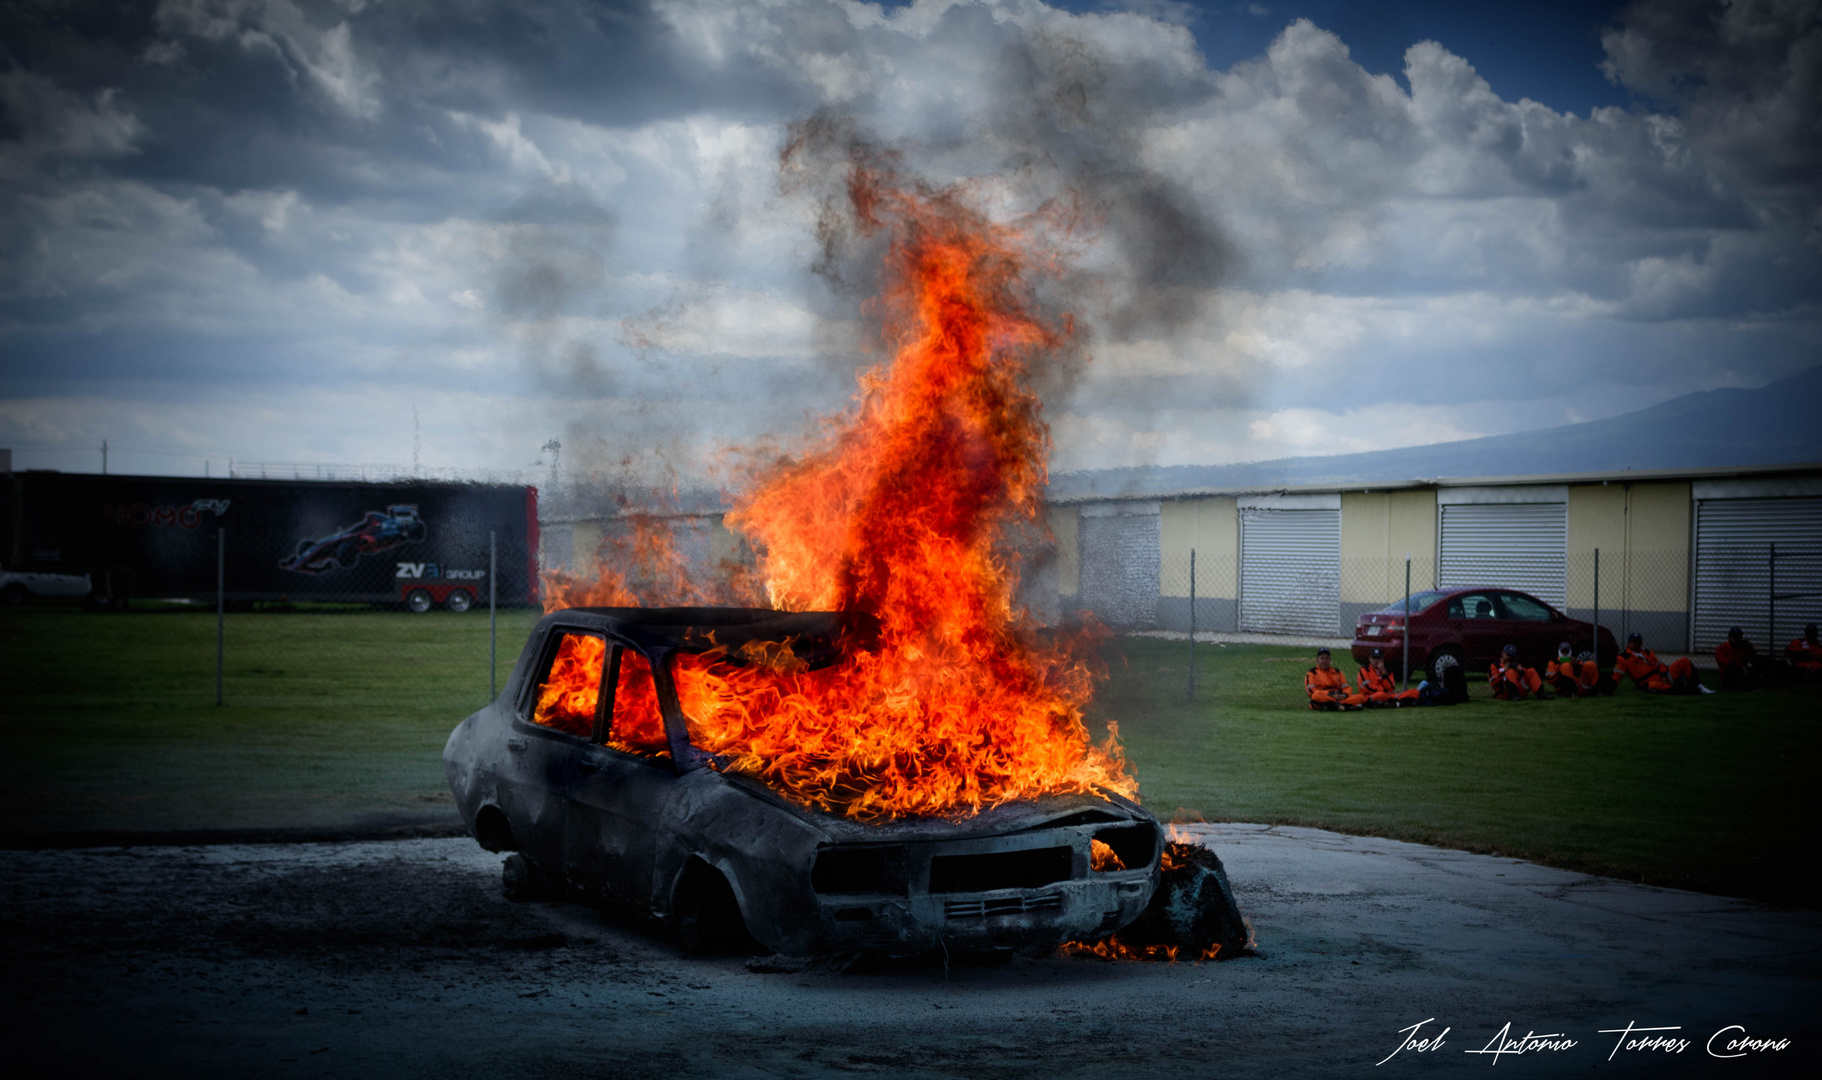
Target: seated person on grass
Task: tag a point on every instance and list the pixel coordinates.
(1805, 653)
(1512, 681)
(1649, 674)
(1739, 661)
(1328, 688)
(1380, 688)
(1570, 677)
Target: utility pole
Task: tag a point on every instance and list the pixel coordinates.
(1192, 624)
(221, 601)
(104, 457)
(1406, 650)
(493, 603)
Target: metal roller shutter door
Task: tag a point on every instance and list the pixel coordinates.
(1290, 572)
(1506, 545)
(1733, 539)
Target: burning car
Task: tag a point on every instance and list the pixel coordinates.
(585, 769)
(374, 533)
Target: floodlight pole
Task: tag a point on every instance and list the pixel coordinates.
(1407, 623)
(221, 601)
(493, 604)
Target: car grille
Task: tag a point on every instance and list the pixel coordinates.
(1012, 905)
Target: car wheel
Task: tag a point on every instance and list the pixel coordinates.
(347, 553)
(522, 880)
(459, 601)
(1442, 659)
(13, 595)
(414, 532)
(418, 600)
(707, 914)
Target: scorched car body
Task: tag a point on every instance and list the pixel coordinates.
(718, 855)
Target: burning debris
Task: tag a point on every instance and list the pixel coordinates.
(1192, 915)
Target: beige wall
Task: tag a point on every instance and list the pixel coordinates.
(1209, 525)
(1642, 531)
(1378, 529)
(1064, 526)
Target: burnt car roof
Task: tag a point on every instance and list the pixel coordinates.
(815, 636)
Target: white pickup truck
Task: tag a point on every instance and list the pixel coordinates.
(17, 587)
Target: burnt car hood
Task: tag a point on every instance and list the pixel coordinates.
(1011, 817)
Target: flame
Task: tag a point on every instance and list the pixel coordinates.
(1103, 857)
(907, 510)
(1113, 948)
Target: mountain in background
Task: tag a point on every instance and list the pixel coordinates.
(1777, 424)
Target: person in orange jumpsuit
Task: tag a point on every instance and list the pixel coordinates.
(1649, 674)
(1739, 661)
(1512, 681)
(1328, 688)
(1380, 688)
(1805, 653)
(1570, 677)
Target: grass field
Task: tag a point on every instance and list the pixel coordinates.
(330, 719)
(337, 719)
(1712, 793)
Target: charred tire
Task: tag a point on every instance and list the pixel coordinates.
(1442, 659)
(459, 601)
(522, 880)
(708, 916)
(418, 600)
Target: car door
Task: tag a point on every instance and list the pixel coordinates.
(543, 744)
(1475, 618)
(1529, 623)
(617, 803)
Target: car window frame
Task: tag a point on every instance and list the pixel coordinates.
(1489, 595)
(1506, 611)
(547, 655)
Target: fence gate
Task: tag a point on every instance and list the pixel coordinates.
(1512, 545)
(1290, 571)
(1734, 572)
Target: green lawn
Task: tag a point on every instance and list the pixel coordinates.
(1709, 793)
(331, 719)
(337, 719)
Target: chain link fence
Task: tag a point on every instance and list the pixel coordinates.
(1675, 601)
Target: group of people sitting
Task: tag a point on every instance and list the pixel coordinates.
(1742, 668)
(1328, 688)
(1571, 676)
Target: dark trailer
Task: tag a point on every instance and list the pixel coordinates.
(419, 543)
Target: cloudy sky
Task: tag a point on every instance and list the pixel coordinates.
(367, 230)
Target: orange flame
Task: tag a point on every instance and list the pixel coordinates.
(906, 509)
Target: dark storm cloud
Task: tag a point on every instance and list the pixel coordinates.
(578, 203)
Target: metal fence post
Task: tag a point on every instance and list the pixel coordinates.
(1192, 624)
(1597, 608)
(1407, 623)
(1771, 595)
(493, 604)
(221, 602)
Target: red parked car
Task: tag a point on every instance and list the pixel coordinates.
(1470, 627)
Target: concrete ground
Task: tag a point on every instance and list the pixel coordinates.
(401, 959)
